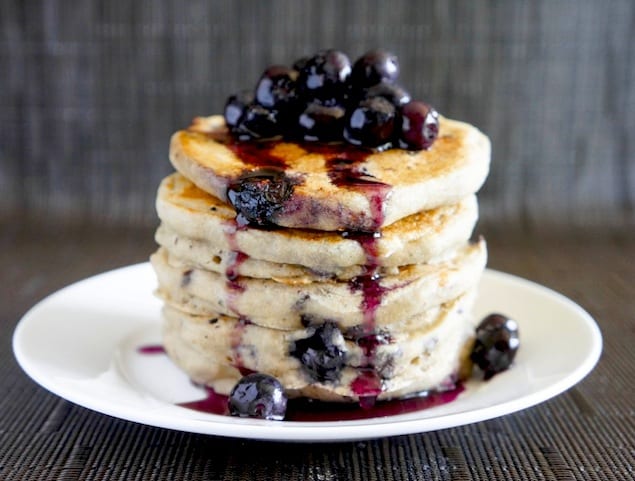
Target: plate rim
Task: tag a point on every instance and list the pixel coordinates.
(301, 431)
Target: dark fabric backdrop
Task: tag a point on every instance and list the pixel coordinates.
(91, 91)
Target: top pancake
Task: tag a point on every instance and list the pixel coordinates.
(339, 187)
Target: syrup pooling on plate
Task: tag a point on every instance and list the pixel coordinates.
(151, 349)
(306, 410)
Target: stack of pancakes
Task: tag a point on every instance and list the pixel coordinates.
(360, 287)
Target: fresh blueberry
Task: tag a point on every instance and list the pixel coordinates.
(394, 93)
(374, 67)
(321, 123)
(419, 126)
(300, 63)
(257, 122)
(236, 105)
(258, 396)
(371, 123)
(321, 358)
(496, 344)
(324, 77)
(276, 88)
(258, 195)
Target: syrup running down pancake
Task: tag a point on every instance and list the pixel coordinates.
(317, 239)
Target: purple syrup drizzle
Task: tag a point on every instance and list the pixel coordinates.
(307, 410)
(345, 171)
(236, 339)
(151, 349)
(234, 289)
(231, 273)
(212, 403)
(368, 383)
(367, 386)
(232, 282)
(257, 154)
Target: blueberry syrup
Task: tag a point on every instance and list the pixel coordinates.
(372, 295)
(231, 272)
(345, 168)
(236, 340)
(151, 349)
(234, 288)
(344, 164)
(307, 410)
(256, 154)
(367, 386)
(233, 285)
(345, 171)
(212, 403)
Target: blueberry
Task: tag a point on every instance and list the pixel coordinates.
(236, 105)
(374, 67)
(300, 63)
(258, 195)
(276, 88)
(394, 93)
(257, 122)
(321, 358)
(321, 123)
(324, 77)
(419, 126)
(371, 123)
(258, 396)
(496, 344)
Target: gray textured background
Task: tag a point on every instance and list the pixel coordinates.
(91, 91)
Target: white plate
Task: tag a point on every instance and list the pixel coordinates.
(81, 344)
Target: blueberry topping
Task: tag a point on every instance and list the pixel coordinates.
(419, 126)
(257, 122)
(258, 396)
(321, 358)
(394, 93)
(321, 123)
(276, 87)
(496, 344)
(258, 195)
(323, 98)
(371, 123)
(374, 67)
(324, 77)
(236, 105)
(300, 63)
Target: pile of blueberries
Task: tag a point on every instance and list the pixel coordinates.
(325, 98)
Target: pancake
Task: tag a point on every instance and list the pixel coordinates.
(343, 272)
(412, 290)
(200, 228)
(338, 187)
(417, 356)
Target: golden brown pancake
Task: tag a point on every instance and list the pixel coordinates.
(339, 187)
(200, 228)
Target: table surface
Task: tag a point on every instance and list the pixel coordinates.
(586, 433)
